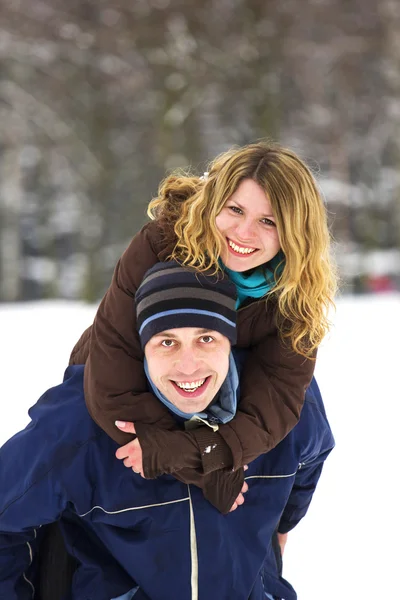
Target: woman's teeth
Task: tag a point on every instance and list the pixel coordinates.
(190, 386)
(239, 249)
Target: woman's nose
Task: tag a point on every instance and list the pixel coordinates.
(245, 230)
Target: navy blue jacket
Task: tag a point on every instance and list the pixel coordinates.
(160, 535)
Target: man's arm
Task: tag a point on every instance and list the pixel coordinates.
(314, 436)
(17, 552)
(302, 492)
(29, 498)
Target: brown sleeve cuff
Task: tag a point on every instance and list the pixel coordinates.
(170, 451)
(177, 453)
(166, 451)
(214, 451)
(220, 488)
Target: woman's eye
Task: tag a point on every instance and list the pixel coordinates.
(236, 210)
(168, 343)
(206, 339)
(268, 222)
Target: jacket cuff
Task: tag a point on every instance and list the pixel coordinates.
(166, 451)
(214, 451)
(220, 488)
(285, 527)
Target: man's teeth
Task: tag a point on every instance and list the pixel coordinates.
(240, 249)
(190, 386)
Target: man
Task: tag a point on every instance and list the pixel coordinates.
(157, 539)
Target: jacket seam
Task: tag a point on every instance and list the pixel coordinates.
(194, 575)
(30, 583)
(271, 476)
(116, 512)
(30, 562)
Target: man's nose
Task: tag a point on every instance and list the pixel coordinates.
(187, 362)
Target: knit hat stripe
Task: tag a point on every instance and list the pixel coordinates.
(188, 292)
(186, 311)
(181, 280)
(168, 270)
(166, 276)
(180, 304)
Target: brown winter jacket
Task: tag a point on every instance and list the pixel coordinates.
(273, 384)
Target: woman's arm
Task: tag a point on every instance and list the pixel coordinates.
(115, 382)
(273, 385)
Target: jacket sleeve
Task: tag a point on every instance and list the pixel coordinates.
(29, 499)
(220, 488)
(273, 385)
(301, 495)
(306, 479)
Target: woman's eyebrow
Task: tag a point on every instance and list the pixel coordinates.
(243, 208)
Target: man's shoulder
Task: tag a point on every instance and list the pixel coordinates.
(313, 433)
(313, 402)
(61, 415)
(60, 438)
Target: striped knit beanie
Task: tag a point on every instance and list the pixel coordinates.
(172, 295)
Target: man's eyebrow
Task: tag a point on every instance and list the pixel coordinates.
(203, 331)
(164, 334)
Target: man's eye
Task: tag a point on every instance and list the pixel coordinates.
(236, 210)
(167, 343)
(206, 339)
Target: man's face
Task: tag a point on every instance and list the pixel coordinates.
(188, 365)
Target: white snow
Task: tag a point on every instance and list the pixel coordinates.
(347, 546)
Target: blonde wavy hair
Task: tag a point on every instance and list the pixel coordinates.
(306, 286)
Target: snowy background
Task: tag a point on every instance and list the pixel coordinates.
(347, 546)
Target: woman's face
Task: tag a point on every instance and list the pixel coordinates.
(247, 225)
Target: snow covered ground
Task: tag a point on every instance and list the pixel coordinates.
(347, 546)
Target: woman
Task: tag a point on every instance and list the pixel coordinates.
(258, 215)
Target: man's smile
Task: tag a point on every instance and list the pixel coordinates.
(191, 389)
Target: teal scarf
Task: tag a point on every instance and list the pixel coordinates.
(258, 282)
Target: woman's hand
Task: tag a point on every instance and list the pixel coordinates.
(131, 453)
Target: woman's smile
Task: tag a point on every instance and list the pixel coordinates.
(240, 249)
